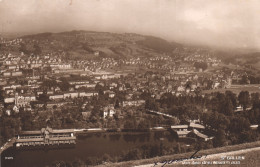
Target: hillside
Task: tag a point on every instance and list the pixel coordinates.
(82, 44)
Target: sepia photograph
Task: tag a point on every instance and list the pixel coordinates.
(129, 83)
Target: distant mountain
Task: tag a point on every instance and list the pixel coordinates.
(40, 35)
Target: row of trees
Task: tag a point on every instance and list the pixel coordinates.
(142, 152)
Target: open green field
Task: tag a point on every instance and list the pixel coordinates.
(253, 88)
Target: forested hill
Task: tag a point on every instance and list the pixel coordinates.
(85, 43)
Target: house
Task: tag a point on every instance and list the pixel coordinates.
(81, 86)
(133, 103)
(16, 109)
(39, 92)
(179, 127)
(196, 134)
(109, 111)
(9, 91)
(8, 112)
(113, 85)
(1, 105)
(181, 88)
(49, 92)
(38, 105)
(181, 130)
(9, 100)
(51, 105)
(17, 73)
(78, 82)
(74, 94)
(56, 96)
(111, 94)
(7, 74)
(1, 109)
(85, 115)
(89, 94)
(91, 85)
(182, 133)
(96, 53)
(196, 126)
(239, 108)
(254, 127)
(24, 99)
(83, 94)
(66, 95)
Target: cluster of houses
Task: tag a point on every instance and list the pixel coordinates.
(23, 75)
(10, 42)
(191, 130)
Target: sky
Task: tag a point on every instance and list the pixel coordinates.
(222, 23)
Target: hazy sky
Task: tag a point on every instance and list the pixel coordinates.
(234, 23)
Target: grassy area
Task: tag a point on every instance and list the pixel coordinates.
(250, 156)
(251, 159)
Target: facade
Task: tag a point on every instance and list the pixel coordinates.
(24, 100)
(45, 136)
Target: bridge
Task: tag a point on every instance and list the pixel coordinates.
(160, 113)
(45, 136)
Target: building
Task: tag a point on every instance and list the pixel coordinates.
(196, 134)
(46, 136)
(24, 100)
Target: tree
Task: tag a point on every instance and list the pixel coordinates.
(144, 125)
(232, 96)
(23, 48)
(244, 80)
(201, 65)
(239, 124)
(247, 136)
(44, 97)
(117, 104)
(220, 138)
(49, 83)
(133, 154)
(222, 121)
(227, 107)
(244, 99)
(255, 100)
(26, 119)
(129, 124)
(37, 49)
(106, 158)
(1, 95)
(150, 104)
(64, 85)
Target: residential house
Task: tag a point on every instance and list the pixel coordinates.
(109, 111)
(196, 134)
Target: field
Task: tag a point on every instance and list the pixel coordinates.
(237, 89)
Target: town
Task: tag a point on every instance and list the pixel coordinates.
(44, 84)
